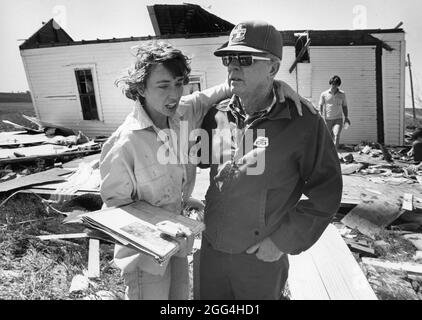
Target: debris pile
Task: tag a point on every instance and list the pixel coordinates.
(380, 218)
(50, 174)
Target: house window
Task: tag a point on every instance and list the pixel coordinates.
(87, 94)
(193, 85)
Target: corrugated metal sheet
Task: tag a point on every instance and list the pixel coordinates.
(356, 68)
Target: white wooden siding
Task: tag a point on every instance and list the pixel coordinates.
(355, 65)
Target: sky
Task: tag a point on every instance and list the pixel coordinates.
(103, 19)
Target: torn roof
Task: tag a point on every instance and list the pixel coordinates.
(185, 19)
(50, 33)
(191, 21)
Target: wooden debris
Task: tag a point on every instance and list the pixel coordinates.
(63, 236)
(411, 216)
(390, 285)
(407, 202)
(55, 174)
(79, 283)
(415, 239)
(18, 126)
(94, 258)
(372, 216)
(195, 280)
(328, 271)
(418, 256)
(350, 168)
(397, 266)
(11, 140)
(360, 247)
(355, 188)
(48, 156)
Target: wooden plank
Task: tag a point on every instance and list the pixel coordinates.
(49, 156)
(86, 159)
(304, 280)
(41, 150)
(33, 179)
(407, 202)
(94, 258)
(8, 140)
(372, 215)
(63, 236)
(21, 127)
(397, 266)
(334, 269)
(357, 187)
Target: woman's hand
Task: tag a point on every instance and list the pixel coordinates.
(286, 91)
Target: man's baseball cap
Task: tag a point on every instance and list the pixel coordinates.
(253, 37)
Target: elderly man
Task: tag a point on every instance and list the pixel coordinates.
(264, 157)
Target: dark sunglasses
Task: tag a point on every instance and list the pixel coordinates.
(243, 60)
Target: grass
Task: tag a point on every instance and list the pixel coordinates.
(32, 269)
(15, 97)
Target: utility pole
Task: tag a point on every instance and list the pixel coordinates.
(411, 87)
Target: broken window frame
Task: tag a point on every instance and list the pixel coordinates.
(94, 95)
(195, 78)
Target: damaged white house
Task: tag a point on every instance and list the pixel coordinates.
(72, 82)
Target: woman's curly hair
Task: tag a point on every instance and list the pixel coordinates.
(147, 56)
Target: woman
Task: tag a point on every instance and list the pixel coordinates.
(131, 171)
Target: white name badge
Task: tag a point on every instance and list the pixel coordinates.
(261, 142)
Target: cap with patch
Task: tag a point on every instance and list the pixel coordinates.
(253, 37)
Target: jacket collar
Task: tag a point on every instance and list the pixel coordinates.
(280, 110)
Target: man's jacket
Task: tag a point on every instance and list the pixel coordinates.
(300, 158)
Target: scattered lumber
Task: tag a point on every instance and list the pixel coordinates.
(62, 155)
(415, 239)
(52, 175)
(18, 126)
(17, 139)
(328, 271)
(396, 266)
(372, 215)
(360, 248)
(94, 258)
(63, 236)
